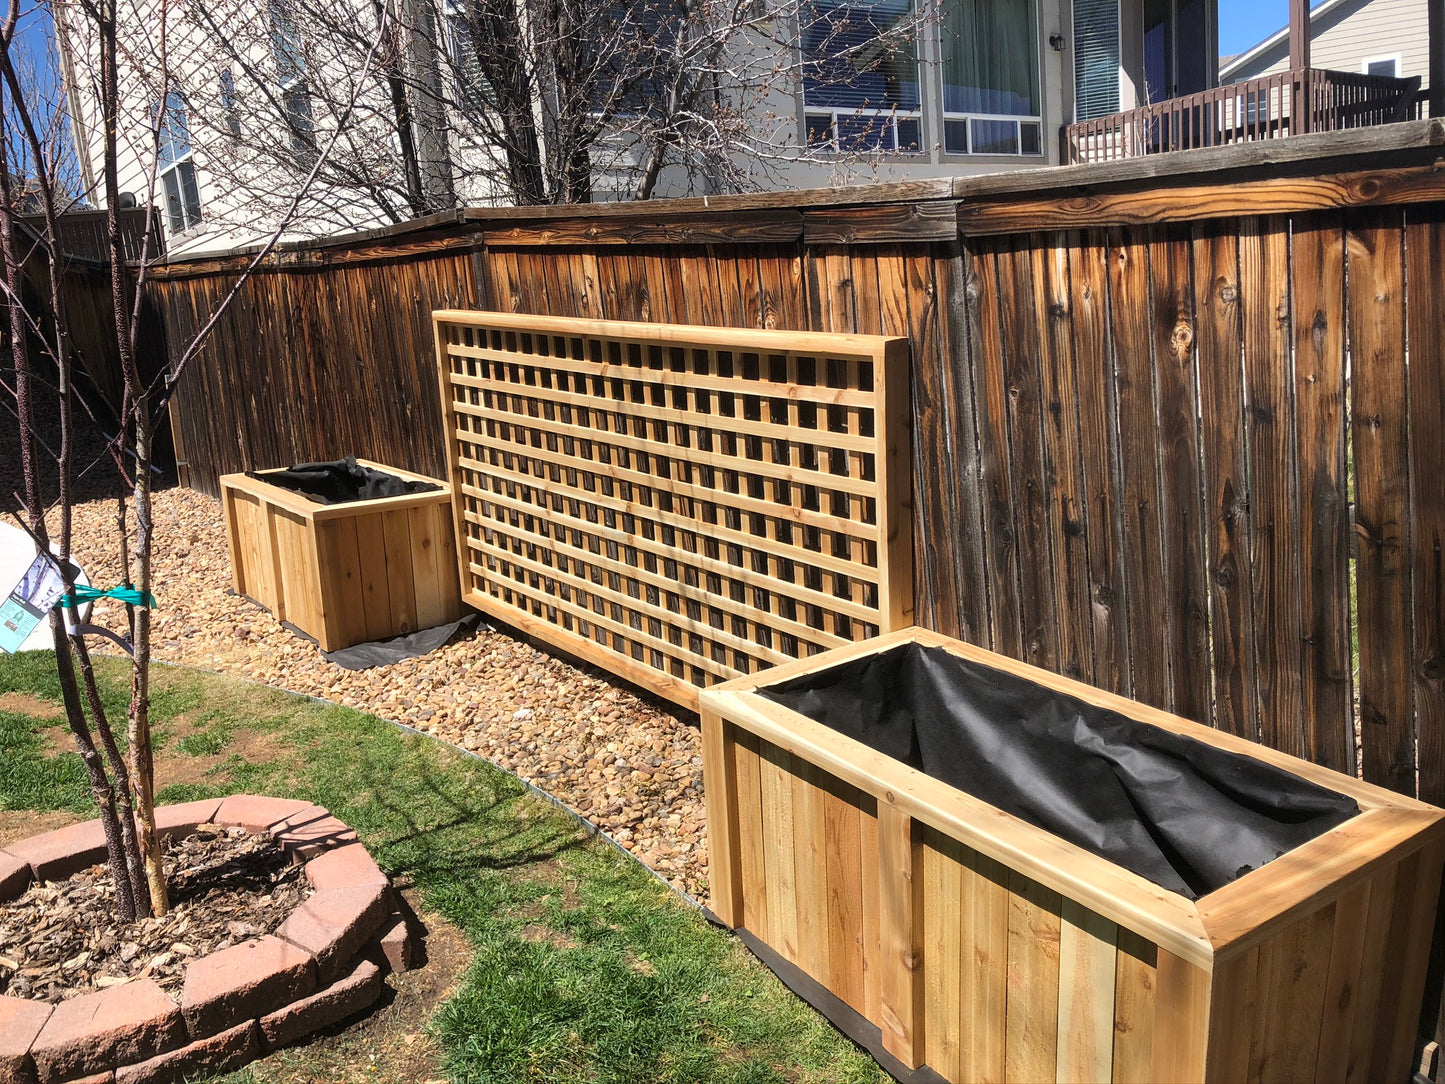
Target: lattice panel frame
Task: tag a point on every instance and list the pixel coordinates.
(680, 505)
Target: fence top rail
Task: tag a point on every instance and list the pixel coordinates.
(687, 335)
(1340, 151)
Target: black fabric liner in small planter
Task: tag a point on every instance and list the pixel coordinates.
(341, 481)
(1187, 816)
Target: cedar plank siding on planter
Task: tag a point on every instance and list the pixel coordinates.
(349, 573)
(995, 945)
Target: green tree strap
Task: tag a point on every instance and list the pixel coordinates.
(128, 595)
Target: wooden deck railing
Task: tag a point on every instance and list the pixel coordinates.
(83, 234)
(1270, 107)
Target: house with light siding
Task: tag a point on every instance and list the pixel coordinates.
(1369, 37)
(982, 86)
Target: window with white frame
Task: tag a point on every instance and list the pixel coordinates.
(1388, 66)
(860, 76)
(176, 166)
(990, 71)
(472, 89)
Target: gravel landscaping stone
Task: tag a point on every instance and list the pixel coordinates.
(630, 765)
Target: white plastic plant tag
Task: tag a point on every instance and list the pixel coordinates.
(29, 601)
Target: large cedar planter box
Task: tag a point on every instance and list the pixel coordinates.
(986, 947)
(348, 573)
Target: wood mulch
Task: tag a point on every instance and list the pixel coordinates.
(60, 939)
(629, 764)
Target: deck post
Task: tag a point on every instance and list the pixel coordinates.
(1301, 111)
(1299, 34)
(1436, 72)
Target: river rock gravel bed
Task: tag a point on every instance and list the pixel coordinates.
(628, 764)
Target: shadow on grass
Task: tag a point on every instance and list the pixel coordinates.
(585, 967)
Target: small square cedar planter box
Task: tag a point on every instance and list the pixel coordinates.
(344, 573)
(964, 938)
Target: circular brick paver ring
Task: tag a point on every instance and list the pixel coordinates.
(324, 963)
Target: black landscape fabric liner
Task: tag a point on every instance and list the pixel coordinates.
(1184, 814)
(409, 645)
(341, 481)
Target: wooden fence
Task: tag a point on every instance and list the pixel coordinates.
(1166, 437)
(1177, 422)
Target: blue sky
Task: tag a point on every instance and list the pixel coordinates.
(1243, 23)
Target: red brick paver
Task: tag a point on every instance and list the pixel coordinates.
(20, 1022)
(15, 875)
(311, 832)
(203, 1058)
(181, 818)
(396, 943)
(335, 923)
(256, 814)
(338, 1001)
(54, 856)
(242, 982)
(115, 1026)
(344, 867)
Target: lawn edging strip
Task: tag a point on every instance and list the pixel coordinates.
(325, 963)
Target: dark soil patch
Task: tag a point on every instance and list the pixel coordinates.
(59, 939)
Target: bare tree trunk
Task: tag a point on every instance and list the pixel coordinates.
(142, 771)
(142, 767)
(129, 903)
(118, 826)
(401, 107)
(433, 154)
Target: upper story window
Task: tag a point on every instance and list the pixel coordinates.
(176, 166)
(1388, 66)
(472, 89)
(229, 109)
(291, 78)
(990, 70)
(860, 76)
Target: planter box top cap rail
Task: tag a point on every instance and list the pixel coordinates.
(1187, 815)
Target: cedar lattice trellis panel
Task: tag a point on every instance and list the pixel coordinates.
(678, 504)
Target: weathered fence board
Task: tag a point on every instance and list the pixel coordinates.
(1425, 386)
(1135, 450)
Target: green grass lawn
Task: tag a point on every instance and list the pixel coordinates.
(583, 966)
